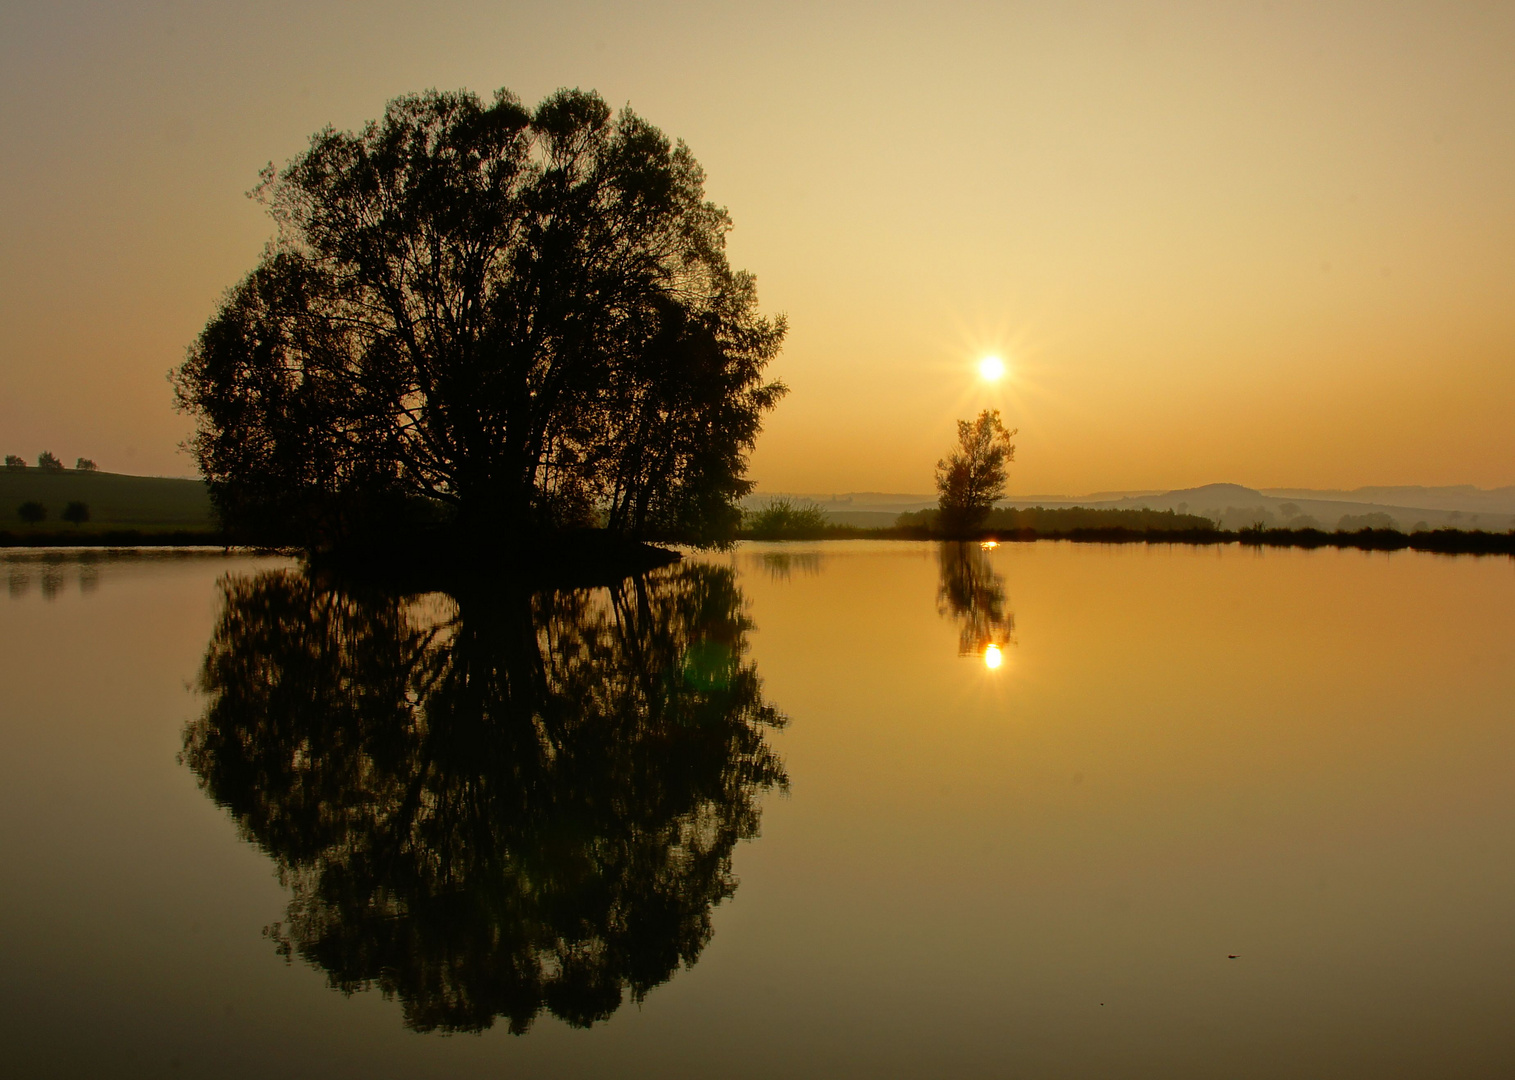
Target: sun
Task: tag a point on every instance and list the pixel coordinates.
(991, 369)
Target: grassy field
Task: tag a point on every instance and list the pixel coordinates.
(148, 504)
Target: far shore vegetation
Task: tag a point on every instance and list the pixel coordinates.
(146, 511)
(972, 478)
(1100, 526)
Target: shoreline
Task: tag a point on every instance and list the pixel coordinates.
(1439, 541)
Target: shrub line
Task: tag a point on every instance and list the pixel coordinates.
(1441, 541)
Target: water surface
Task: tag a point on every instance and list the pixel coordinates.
(873, 809)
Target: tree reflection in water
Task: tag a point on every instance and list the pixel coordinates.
(495, 803)
(974, 595)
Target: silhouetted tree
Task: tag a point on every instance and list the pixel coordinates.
(971, 477)
(525, 316)
(974, 595)
(32, 512)
(49, 462)
(84, 464)
(495, 803)
(76, 513)
(15, 461)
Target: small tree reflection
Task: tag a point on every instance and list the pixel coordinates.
(783, 565)
(974, 595)
(490, 804)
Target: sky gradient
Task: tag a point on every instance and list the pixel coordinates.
(1272, 244)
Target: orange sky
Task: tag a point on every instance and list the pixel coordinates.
(1271, 244)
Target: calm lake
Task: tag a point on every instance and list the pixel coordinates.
(845, 809)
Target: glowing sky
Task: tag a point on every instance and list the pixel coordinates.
(1268, 243)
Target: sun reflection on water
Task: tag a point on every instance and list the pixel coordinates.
(993, 658)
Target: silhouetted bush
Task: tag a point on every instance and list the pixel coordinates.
(31, 512)
(784, 519)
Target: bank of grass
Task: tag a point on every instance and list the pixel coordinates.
(785, 519)
(151, 509)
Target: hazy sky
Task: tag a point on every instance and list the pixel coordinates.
(1268, 243)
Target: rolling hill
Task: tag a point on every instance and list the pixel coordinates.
(116, 501)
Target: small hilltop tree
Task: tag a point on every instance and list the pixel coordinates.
(973, 476)
(49, 462)
(15, 461)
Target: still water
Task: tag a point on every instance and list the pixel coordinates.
(846, 809)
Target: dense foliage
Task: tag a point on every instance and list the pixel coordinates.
(973, 475)
(520, 320)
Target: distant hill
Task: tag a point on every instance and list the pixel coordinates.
(116, 501)
(1232, 506)
(1464, 498)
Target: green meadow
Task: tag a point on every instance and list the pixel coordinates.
(148, 504)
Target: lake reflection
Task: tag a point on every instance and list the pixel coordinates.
(495, 803)
(1238, 813)
(973, 594)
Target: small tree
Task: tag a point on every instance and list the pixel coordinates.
(32, 512)
(76, 513)
(971, 477)
(49, 461)
(84, 464)
(15, 461)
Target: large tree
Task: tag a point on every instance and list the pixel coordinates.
(523, 319)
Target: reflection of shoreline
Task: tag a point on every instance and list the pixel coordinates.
(973, 594)
(492, 804)
(54, 568)
(783, 565)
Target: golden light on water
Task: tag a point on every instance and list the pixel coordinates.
(988, 544)
(993, 658)
(991, 369)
